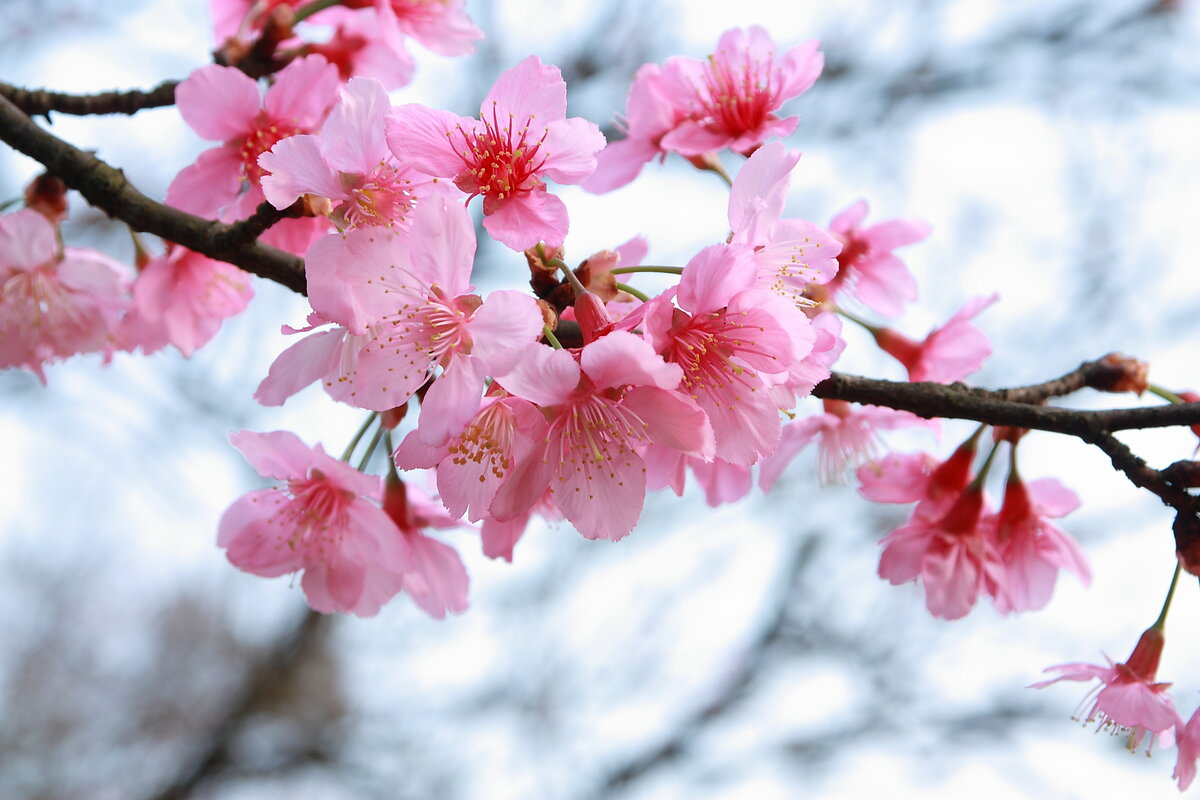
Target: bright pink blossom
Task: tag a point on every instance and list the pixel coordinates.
(435, 577)
(1127, 700)
(603, 410)
(650, 113)
(54, 302)
(1187, 739)
(790, 253)
(181, 298)
(732, 96)
(867, 268)
(348, 162)
(322, 519)
(413, 301)
(846, 437)
(1032, 548)
(949, 353)
(522, 135)
(223, 104)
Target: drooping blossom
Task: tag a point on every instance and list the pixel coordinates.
(732, 96)
(918, 478)
(435, 577)
(349, 163)
(604, 406)
(867, 267)
(846, 436)
(523, 135)
(1187, 739)
(1128, 700)
(223, 104)
(791, 254)
(54, 302)
(650, 113)
(413, 300)
(1032, 548)
(322, 519)
(731, 340)
(180, 298)
(949, 353)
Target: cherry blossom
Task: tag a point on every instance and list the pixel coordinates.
(223, 104)
(867, 268)
(321, 519)
(603, 410)
(949, 353)
(733, 94)
(1128, 700)
(54, 302)
(180, 298)
(1032, 548)
(435, 577)
(522, 135)
(348, 162)
(1187, 739)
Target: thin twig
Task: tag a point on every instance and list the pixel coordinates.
(42, 102)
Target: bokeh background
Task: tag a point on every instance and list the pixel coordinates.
(743, 652)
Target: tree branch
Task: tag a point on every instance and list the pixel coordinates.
(107, 189)
(42, 102)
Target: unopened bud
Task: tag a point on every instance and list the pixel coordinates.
(47, 195)
(1187, 541)
(313, 205)
(1118, 373)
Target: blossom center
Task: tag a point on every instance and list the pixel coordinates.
(500, 160)
(264, 136)
(739, 94)
(380, 198)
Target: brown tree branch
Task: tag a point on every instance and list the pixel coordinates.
(42, 102)
(107, 189)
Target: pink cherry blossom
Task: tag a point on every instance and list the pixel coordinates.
(321, 519)
(603, 410)
(948, 553)
(439, 25)
(181, 298)
(412, 299)
(522, 135)
(435, 577)
(846, 437)
(1187, 739)
(918, 478)
(348, 162)
(1128, 700)
(54, 302)
(733, 94)
(359, 47)
(329, 356)
(949, 353)
(650, 113)
(1031, 547)
(867, 268)
(730, 339)
(223, 104)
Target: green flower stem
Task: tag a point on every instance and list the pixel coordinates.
(313, 8)
(625, 287)
(1161, 622)
(1165, 394)
(977, 484)
(349, 451)
(873, 329)
(661, 270)
(550, 337)
(366, 459)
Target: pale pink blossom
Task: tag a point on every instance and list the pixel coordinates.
(413, 301)
(435, 577)
(223, 104)
(54, 302)
(439, 25)
(349, 163)
(322, 519)
(1032, 548)
(949, 353)
(732, 96)
(1128, 700)
(180, 298)
(846, 436)
(867, 267)
(731, 339)
(650, 113)
(523, 135)
(604, 405)
(359, 47)
(790, 253)
(1187, 739)
(329, 356)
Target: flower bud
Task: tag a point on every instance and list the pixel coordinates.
(1118, 373)
(47, 195)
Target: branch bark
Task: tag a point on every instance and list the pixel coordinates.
(42, 102)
